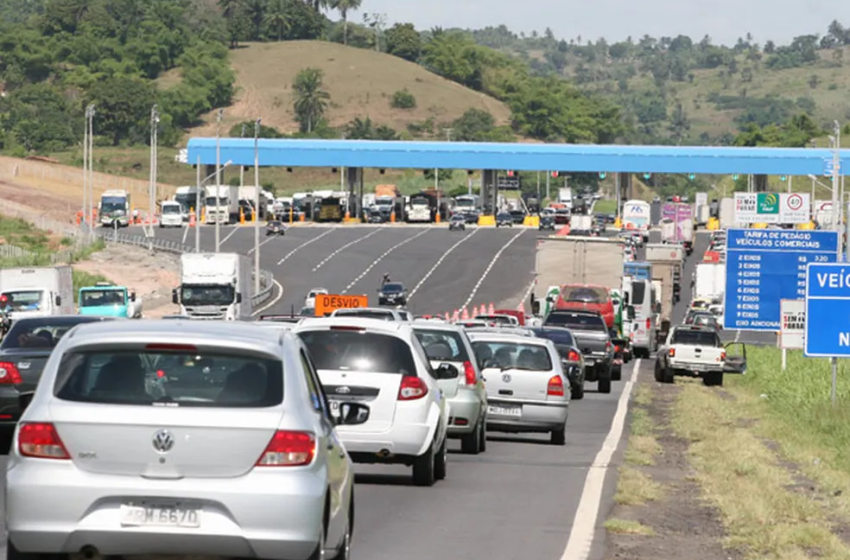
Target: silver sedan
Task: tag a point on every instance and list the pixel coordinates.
(202, 438)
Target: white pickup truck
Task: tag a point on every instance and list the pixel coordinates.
(696, 351)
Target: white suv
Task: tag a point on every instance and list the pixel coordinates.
(383, 365)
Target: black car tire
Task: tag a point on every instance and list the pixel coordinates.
(559, 436)
(577, 392)
(423, 468)
(604, 386)
(471, 443)
(616, 373)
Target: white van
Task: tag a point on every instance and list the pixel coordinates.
(171, 214)
(644, 333)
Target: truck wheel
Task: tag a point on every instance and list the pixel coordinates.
(604, 386)
(616, 373)
(713, 379)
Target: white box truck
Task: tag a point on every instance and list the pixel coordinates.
(223, 208)
(39, 291)
(215, 286)
(710, 281)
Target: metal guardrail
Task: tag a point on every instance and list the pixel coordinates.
(153, 243)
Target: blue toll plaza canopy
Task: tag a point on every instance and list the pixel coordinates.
(519, 157)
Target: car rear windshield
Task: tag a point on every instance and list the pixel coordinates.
(366, 314)
(442, 345)
(696, 338)
(585, 294)
(170, 378)
(39, 333)
(344, 350)
(561, 337)
(511, 355)
(581, 321)
(393, 288)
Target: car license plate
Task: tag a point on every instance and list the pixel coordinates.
(504, 410)
(589, 361)
(133, 515)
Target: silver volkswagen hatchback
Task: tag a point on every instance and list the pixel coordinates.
(180, 437)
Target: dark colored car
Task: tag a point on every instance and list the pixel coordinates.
(392, 293)
(275, 227)
(518, 216)
(458, 221)
(547, 223)
(571, 357)
(375, 216)
(504, 219)
(593, 338)
(23, 355)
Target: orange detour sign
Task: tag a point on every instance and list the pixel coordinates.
(328, 303)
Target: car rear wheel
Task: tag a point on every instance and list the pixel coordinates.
(604, 386)
(616, 373)
(559, 437)
(577, 392)
(471, 443)
(423, 468)
(714, 379)
(344, 552)
(441, 460)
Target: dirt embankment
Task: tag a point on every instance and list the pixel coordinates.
(151, 275)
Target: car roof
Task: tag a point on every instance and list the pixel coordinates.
(372, 325)
(575, 312)
(226, 333)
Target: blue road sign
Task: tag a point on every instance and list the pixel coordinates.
(764, 266)
(827, 325)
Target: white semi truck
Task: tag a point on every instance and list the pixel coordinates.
(38, 291)
(222, 207)
(215, 286)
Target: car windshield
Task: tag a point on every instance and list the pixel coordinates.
(218, 294)
(171, 209)
(580, 321)
(442, 345)
(695, 337)
(359, 350)
(97, 298)
(170, 378)
(393, 288)
(457, 218)
(24, 300)
(585, 294)
(512, 355)
(43, 332)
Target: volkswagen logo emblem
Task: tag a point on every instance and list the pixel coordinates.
(163, 441)
(506, 378)
(343, 390)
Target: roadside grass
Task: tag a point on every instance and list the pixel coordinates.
(626, 527)
(634, 487)
(763, 516)
(794, 410)
(605, 206)
(20, 233)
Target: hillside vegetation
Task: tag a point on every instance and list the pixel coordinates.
(361, 83)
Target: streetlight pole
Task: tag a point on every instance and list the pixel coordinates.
(242, 167)
(256, 206)
(198, 206)
(89, 210)
(218, 180)
(152, 191)
(85, 220)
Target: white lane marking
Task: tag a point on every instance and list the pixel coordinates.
(737, 336)
(229, 235)
(185, 233)
(313, 240)
(271, 238)
(438, 263)
(272, 302)
(584, 527)
(527, 293)
(489, 268)
(346, 246)
(379, 259)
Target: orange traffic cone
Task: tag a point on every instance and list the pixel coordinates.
(456, 316)
(192, 218)
(447, 316)
(475, 311)
(465, 315)
(492, 309)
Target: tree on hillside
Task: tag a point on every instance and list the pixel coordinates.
(360, 129)
(343, 7)
(123, 108)
(404, 41)
(310, 98)
(229, 8)
(277, 19)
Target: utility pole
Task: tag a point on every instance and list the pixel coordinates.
(89, 210)
(256, 206)
(85, 221)
(242, 167)
(198, 206)
(836, 221)
(548, 177)
(218, 180)
(152, 188)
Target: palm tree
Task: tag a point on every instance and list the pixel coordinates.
(229, 7)
(311, 100)
(255, 10)
(343, 7)
(319, 5)
(277, 18)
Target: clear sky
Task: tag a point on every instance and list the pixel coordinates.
(723, 20)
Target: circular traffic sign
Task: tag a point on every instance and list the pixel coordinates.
(795, 202)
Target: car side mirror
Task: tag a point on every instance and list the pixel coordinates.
(174, 299)
(24, 400)
(58, 300)
(352, 414)
(446, 371)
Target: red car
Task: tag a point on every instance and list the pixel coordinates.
(589, 298)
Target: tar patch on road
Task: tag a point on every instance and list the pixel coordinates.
(660, 514)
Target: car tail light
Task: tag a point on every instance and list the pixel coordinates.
(555, 388)
(39, 439)
(469, 372)
(289, 449)
(672, 352)
(411, 388)
(648, 323)
(617, 348)
(9, 374)
(723, 356)
(573, 356)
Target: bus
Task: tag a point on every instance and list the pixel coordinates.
(114, 208)
(636, 217)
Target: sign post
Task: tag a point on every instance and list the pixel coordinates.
(328, 303)
(827, 335)
(765, 266)
(791, 333)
